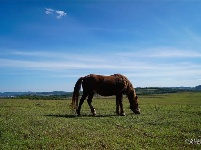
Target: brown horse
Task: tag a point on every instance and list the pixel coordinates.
(116, 84)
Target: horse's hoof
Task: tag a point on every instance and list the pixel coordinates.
(122, 114)
(117, 113)
(94, 112)
(78, 114)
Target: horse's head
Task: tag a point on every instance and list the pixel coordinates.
(133, 99)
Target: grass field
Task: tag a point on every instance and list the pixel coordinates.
(167, 121)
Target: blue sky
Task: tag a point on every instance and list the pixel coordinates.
(46, 45)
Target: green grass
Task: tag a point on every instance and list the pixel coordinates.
(167, 121)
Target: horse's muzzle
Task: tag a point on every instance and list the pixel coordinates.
(137, 112)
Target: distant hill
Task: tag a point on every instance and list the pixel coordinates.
(198, 87)
(161, 90)
(15, 94)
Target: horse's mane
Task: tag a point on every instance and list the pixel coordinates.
(128, 85)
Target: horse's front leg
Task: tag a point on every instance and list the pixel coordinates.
(120, 97)
(117, 104)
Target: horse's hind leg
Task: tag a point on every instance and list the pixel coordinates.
(80, 103)
(89, 100)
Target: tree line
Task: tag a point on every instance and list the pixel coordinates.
(139, 91)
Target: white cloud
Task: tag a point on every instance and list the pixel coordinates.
(175, 53)
(59, 13)
(49, 11)
(143, 70)
(163, 52)
(113, 62)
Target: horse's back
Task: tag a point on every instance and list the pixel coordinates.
(104, 85)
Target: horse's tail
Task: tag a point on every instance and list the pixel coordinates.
(76, 93)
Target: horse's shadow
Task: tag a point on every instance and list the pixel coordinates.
(81, 116)
(61, 116)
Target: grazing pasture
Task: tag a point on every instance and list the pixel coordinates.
(167, 121)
